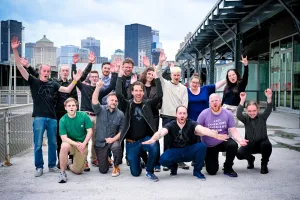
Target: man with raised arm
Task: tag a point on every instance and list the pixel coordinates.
(43, 94)
(110, 122)
(86, 102)
(222, 121)
(183, 147)
(175, 94)
(75, 129)
(139, 126)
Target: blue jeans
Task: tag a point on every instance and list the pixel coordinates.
(195, 152)
(133, 154)
(40, 124)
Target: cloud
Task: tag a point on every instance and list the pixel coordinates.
(69, 21)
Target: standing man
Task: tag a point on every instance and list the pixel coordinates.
(86, 102)
(139, 126)
(43, 94)
(221, 120)
(63, 80)
(109, 125)
(183, 146)
(175, 94)
(75, 129)
(105, 77)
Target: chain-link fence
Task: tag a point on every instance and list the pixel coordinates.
(15, 130)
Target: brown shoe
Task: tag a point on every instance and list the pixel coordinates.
(116, 171)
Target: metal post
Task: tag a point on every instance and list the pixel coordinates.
(188, 72)
(9, 82)
(15, 82)
(197, 63)
(237, 50)
(28, 99)
(212, 65)
(6, 132)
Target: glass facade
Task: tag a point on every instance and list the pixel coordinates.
(285, 71)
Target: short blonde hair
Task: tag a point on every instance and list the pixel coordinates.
(69, 100)
(175, 70)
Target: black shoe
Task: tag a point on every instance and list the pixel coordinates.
(173, 170)
(251, 162)
(230, 172)
(264, 169)
(127, 162)
(143, 164)
(193, 164)
(182, 165)
(58, 165)
(166, 168)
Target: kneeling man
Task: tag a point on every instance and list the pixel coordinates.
(183, 146)
(75, 129)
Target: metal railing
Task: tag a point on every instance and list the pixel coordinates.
(15, 131)
(8, 98)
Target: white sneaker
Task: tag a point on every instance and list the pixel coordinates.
(54, 169)
(38, 172)
(62, 177)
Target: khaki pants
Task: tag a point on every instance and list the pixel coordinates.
(93, 156)
(233, 110)
(78, 158)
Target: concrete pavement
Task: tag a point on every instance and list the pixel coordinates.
(282, 182)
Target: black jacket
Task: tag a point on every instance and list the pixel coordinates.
(147, 106)
(125, 92)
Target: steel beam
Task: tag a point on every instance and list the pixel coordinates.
(212, 65)
(220, 36)
(289, 11)
(237, 51)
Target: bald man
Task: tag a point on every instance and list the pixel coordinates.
(221, 120)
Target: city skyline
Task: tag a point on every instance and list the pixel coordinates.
(105, 20)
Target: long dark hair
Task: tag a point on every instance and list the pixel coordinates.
(143, 76)
(236, 84)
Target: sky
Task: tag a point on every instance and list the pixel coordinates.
(66, 22)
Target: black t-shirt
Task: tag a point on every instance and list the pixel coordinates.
(139, 128)
(43, 95)
(86, 96)
(181, 137)
(148, 90)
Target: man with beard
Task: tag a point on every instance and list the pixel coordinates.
(105, 77)
(75, 129)
(221, 120)
(86, 102)
(139, 126)
(109, 124)
(175, 94)
(183, 146)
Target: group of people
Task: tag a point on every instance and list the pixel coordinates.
(119, 106)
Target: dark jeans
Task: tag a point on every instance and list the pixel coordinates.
(133, 154)
(212, 156)
(195, 152)
(263, 147)
(166, 120)
(59, 115)
(103, 153)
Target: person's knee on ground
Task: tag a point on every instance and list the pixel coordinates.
(63, 155)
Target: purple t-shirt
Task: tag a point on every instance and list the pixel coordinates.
(221, 123)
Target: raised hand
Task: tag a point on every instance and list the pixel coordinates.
(92, 58)
(243, 142)
(133, 78)
(155, 72)
(77, 76)
(146, 61)
(268, 93)
(119, 62)
(24, 62)
(162, 57)
(243, 96)
(15, 43)
(172, 65)
(75, 58)
(244, 61)
(114, 68)
(99, 84)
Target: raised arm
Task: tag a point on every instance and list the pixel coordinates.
(119, 88)
(159, 134)
(268, 109)
(95, 96)
(68, 89)
(246, 73)
(203, 131)
(220, 84)
(159, 91)
(14, 45)
(88, 68)
(29, 68)
(162, 58)
(239, 112)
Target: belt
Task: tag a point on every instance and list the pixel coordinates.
(131, 141)
(90, 113)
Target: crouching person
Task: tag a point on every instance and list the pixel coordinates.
(109, 124)
(75, 129)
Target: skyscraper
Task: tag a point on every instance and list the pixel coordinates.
(156, 47)
(44, 52)
(67, 53)
(118, 54)
(138, 38)
(9, 29)
(92, 44)
(29, 48)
